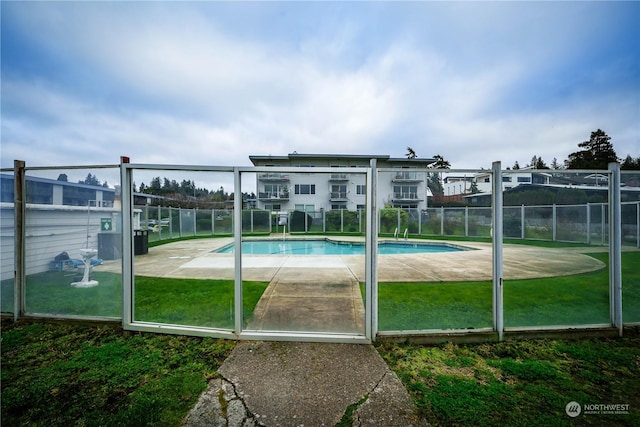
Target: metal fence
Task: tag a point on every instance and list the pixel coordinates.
(587, 223)
(44, 258)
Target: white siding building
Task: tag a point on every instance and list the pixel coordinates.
(310, 192)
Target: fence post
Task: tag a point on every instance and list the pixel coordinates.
(602, 224)
(588, 223)
(615, 247)
(496, 196)
(466, 221)
(341, 220)
(638, 225)
(19, 206)
(195, 221)
(126, 196)
(522, 222)
(553, 222)
(371, 253)
(237, 243)
(324, 222)
(442, 220)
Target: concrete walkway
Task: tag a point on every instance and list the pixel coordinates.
(304, 384)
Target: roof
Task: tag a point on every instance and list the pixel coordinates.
(301, 156)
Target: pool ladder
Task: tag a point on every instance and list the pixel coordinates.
(406, 233)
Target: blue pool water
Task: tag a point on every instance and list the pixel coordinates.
(326, 247)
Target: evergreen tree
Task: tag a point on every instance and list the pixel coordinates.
(596, 153)
(630, 163)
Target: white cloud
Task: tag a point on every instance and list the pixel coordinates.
(195, 93)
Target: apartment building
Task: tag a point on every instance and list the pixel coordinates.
(405, 186)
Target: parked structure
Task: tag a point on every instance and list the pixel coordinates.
(404, 188)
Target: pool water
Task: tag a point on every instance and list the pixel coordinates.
(326, 247)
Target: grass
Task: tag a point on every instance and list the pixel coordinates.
(569, 300)
(61, 374)
(66, 374)
(197, 302)
(520, 383)
(50, 292)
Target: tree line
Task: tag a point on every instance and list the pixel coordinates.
(595, 153)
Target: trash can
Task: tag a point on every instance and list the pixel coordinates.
(140, 242)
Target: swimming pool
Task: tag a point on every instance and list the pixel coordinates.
(328, 247)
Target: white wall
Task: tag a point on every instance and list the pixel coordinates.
(49, 231)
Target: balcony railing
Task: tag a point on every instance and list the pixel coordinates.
(339, 177)
(273, 176)
(281, 195)
(407, 176)
(338, 196)
(406, 196)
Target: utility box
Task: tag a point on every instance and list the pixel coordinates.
(109, 246)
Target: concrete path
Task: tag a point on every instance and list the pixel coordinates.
(304, 384)
(310, 304)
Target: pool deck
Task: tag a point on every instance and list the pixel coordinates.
(198, 259)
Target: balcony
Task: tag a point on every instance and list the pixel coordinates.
(276, 195)
(407, 177)
(406, 197)
(339, 177)
(273, 176)
(338, 196)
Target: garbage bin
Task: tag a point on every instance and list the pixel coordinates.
(140, 242)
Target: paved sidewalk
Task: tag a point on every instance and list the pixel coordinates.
(304, 384)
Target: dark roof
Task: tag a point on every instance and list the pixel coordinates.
(386, 158)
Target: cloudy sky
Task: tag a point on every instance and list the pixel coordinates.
(210, 83)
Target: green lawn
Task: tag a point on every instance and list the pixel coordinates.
(520, 383)
(571, 300)
(66, 374)
(51, 292)
(196, 302)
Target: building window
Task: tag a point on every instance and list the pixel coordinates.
(338, 206)
(524, 179)
(361, 207)
(506, 179)
(405, 192)
(487, 179)
(361, 189)
(305, 208)
(338, 191)
(305, 189)
(272, 207)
